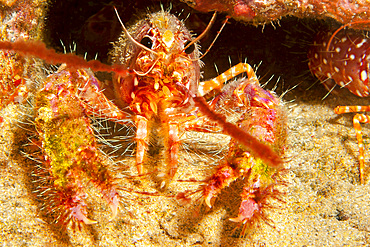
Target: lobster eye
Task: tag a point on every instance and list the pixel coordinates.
(147, 42)
(190, 49)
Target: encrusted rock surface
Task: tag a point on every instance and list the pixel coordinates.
(271, 10)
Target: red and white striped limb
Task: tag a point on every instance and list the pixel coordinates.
(357, 119)
(217, 82)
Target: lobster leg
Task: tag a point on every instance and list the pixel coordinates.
(217, 83)
(69, 151)
(142, 141)
(357, 119)
(173, 148)
(263, 117)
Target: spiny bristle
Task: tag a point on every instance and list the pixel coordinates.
(263, 200)
(186, 197)
(206, 147)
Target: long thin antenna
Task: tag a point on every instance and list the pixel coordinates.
(214, 40)
(130, 37)
(203, 33)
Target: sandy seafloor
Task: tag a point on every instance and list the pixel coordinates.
(324, 203)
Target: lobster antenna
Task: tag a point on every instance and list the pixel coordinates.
(204, 32)
(214, 40)
(130, 37)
